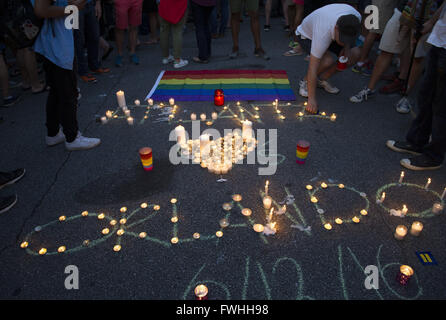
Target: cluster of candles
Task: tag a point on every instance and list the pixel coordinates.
(415, 230)
(269, 210)
(219, 155)
(203, 117)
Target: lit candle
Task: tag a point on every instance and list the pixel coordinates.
(246, 129)
(193, 116)
(324, 185)
(180, 132)
(364, 212)
(201, 292)
(416, 228)
(214, 115)
(246, 212)
(109, 114)
(427, 183)
(437, 208)
(237, 197)
(150, 101)
(137, 102)
(401, 177)
(333, 117)
(258, 228)
(117, 248)
(171, 101)
(338, 221)
(130, 120)
(174, 240)
(356, 220)
(103, 120)
(142, 235)
(404, 275)
(328, 226)
(121, 98)
(267, 202)
(400, 232)
(127, 112)
(404, 210)
(203, 117)
(314, 199)
(266, 187)
(270, 215)
(383, 197)
(204, 143)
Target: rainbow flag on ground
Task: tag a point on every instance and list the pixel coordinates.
(199, 85)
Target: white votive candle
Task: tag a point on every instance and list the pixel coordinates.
(416, 228)
(130, 120)
(171, 101)
(180, 133)
(121, 98)
(437, 208)
(203, 117)
(267, 202)
(400, 232)
(193, 116)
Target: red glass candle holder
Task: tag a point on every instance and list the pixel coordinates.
(219, 98)
(342, 63)
(404, 275)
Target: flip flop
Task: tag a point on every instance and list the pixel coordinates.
(291, 53)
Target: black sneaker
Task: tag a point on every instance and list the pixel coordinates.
(10, 101)
(7, 178)
(7, 203)
(403, 147)
(420, 163)
(267, 27)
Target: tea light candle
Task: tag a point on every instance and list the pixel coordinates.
(267, 202)
(324, 185)
(117, 248)
(258, 228)
(103, 120)
(437, 208)
(120, 96)
(364, 212)
(246, 212)
(203, 117)
(42, 251)
(427, 183)
(328, 226)
(137, 102)
(404, 210)
(130, 121)
(180, 132)
(201, 292)
(416, 228)
(356, 220)
(214, 115)
(193, 116)
(109, 114)
(333, 117)
(171, 101)
(237, 197)
(246, 129)
(401, 177)
(338, 221)
(150, 101)
(404, 275)
(127, 113)
(142, 235)
(400, 232)
(204, 142)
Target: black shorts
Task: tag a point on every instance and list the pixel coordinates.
(306, 45)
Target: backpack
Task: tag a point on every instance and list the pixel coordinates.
(23, 26)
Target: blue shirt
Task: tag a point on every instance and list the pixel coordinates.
(55, 42)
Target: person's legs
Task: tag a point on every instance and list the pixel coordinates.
(236, 8)
(153, 20)
(79, 45)
(200, 23)
(381, 65)
(285, 10)
(207, 30)
(268, 5)
(133, 35)
(177, 37)
(255, 28)
(224, 15)
(135, 20)
(122, 23)
(92, 37)
(4, 77)
(214, 22)
(164, 37)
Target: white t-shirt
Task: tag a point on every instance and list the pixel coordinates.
(438, 35)
(319, 26)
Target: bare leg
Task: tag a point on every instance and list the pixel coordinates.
(119, 35)
(153, 17)
(4, 77)
(255, 28)
(368, 44)
(133, 37)
(268, 5)
(382, 63)
(285, 9)
(28, 66)
(235, 29)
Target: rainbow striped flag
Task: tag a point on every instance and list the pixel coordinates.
(199, 85)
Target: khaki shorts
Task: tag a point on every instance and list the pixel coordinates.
(237, 5)
(396, 39)
(385, 8)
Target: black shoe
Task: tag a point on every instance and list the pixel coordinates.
(403, 147)
(286, 28)
(267, 27)
(420, 163)
(7, 203)
(10, 101)
(7, 178)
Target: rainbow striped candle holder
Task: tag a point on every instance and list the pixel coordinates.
(146, 158)
(302, 151)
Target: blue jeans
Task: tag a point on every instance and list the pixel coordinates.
(224, 7)
(431, 118)
(87, 35)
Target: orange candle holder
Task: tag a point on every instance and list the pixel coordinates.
(219, 98)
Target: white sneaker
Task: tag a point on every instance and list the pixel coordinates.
(327, 86)
(180, 64)
(82, 143)
(303, 88)
(58, 138)
(403, 106)
(362, 95)
(168, 60)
